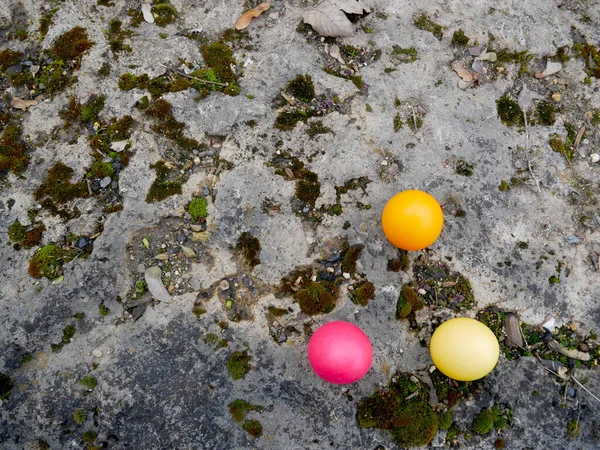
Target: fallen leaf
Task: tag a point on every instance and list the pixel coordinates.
(329, 18)
(34, 70)
(461, 71)
(162, 256)
(289, 173)
(247, 17)
(489, 56)
(147, 13)
(19, 103)
(228, 304)
(334, 52)
(118, 146)
(551, 69)
(58, 280)
(146, 243)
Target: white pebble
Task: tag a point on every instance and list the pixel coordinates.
(97, 353)
(422, 291)
(595, 157)
(346, 275)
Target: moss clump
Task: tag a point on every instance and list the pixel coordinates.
(253, 428)
(335, 210)
(459, 39)
(363, 293)
(104, 70)
(483, 423)
(103, 310)
(287, 121)
(250, 248)
(591, 56)
(219, 58)
(80, 415)
(46, 262)
(6, 385)
(562, 147)
(141, 287)
(127, 81)
(554, 280)
(277, 312)
(317, 298)
(444, 420)
(464, 168)
(197, 209)
(46, 21)
(238, 364)
(402, 262)
(509, 111)
(161, 188)
(573, 429)
(101, 169)
(504, 186)
(164, 13)
(316, 128)
(115, 35)
(302, 88)
(398, 122)
(89, 436)
(422, 22)
(58, 187)
(89, 382)
(545, 112)
(12, 151)
(9, 58)
(238, 409)
(90, 111)
(413, 423)
(308, 189)
(24, 237)
(408, 301)
(349, 257)
(403, 55)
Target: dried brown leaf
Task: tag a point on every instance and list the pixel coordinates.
(19, 103)
(247, 17)
(328, 18)
(461, 71)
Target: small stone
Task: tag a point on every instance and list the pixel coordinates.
(181, 238)
(556, 96)
(584, 347)
(97, 353)
(118, 146)
(512, 330)
(422, 291)
(147, 13)
(141, 268)
(188, 252)
(571, 391)
(206, 190)
(162, 256)
(171, 288)
(384, 163)
(200, 237)
(224, 285)
(82, 242)
(194, 284)
(346, 275)
(595, 157)
(572, 239)
(156, 287)
(105, 182)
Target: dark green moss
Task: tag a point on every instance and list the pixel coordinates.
(6, 385)
(219, 58)
(317, 298)
(483, 423)
(559, 146)
(408, 302)
(68, 333)
(238, 364)
(358, 81)
(349, 257)
(58, 187)
(238, 409)
(308, 189)
(403, 55)
(554, 279)
(198, 310)
(302, 88)
(115, 35)
(89, 436)
(26, 358)
(504, 186)
(493, 318)
(402, 262)
(197, 209)
(16, 232)
(444, 420)
(335, 210)
(398, 122)
(127, 81)
(464, 168)
(362, 293)
(545, 113)
(12, 151)
(509, 111)
(79, 315)
(46, 262)
(46, 21)
(573, 429)
(287, 121)
(162, 188)
(104, 70)
(317, 127)
(80, 416)
(591, 57)
(71, 46)
(422, 22)
(253, 428)
(89, 382)
(459, 39)
(278, 312)
(164, 13)
(9, 58)
(250, 248)
(415, 124)
(443, 287)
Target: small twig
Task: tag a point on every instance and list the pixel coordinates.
(527, 152)
(194, 78)
(584, 388)
(414, 115)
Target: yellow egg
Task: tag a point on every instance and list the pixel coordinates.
(464, 349)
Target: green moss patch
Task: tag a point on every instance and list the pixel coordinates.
(167, 126)
(249, 246)
(58, 189)
(217, 75)
(402, 55)
(316, 127)
(408, 302)
(116, 35)
(80, 416)
(591, 56)
(253, 428)
(573, 429)
(197, 209)
(9, 58)
(302, 89)
(68, 333)
(459, 39)
(238, 364)
(362, 293)
(46, 21)
(423, 22)
(46, 262)
(401, 262)
(490, 418)
(545, 112)
(563, 147)
(89, 382)
(238, 409)
(26, 237)
(12, 151)
(464, 168)
(412, 423)
(161, 187)
(164, 13)
(509, 111)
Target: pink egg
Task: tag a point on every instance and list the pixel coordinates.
(340, 352)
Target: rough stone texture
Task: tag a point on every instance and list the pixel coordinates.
(161, 382)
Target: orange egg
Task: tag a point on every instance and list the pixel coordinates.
(412, 220)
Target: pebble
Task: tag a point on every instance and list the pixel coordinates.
(181, 238)
(595, 157)
(422, 291)
(224, 285)
(188, 252)
(97, 353)
(206, 190)
(571, 391)
(346, 275)
(105, 182)
(82, 242)
(572, 239)
(141, 268)
(147, 13)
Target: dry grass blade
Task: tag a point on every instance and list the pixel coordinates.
(247, 17)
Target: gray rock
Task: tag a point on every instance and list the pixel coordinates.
(105, 182)
(155, 286)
